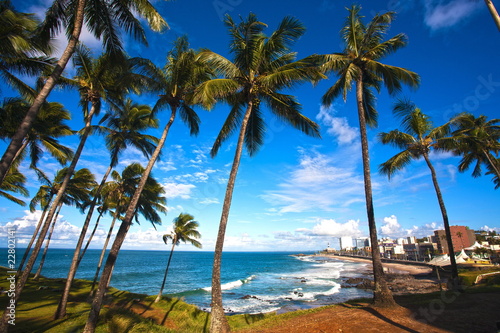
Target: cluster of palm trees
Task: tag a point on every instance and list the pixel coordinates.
(259, 77)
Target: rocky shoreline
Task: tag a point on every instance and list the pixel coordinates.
(399, 284)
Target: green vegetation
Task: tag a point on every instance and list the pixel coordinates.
(129, 312)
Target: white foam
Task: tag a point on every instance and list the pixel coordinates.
(232, 284)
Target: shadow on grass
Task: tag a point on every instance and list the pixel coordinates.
(168, 312)
(387, 320)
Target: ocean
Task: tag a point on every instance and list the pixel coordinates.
(252, 282)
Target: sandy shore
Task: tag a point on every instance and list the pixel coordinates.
(388, 267)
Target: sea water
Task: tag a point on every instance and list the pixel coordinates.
(252, 282)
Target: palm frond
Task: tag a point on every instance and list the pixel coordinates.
(396, 163)
(230, 125)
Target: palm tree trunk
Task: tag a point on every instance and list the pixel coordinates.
(17, 140)
(158, 298)
(493, 12)
(82, 254)
(35, 233)
(61, 307)
(29, 265)
(47, 242)
(382, 296)
(122, 232)
(20, 151)
(218, 321)
(454, 270)
(103, 252)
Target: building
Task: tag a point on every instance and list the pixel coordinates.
(346, 243)
(419, 251)
(461, 237)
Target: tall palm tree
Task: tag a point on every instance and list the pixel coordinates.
(182, 73)
(20, 49)
(124, 128)
(184, 230)
(77, 194)
(104, 19)
(148, 205)
(262, 67)
(359, 64)
(477, 140)
(99, 78)
(419, 138)
(47, 127)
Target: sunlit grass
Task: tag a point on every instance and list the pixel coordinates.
(128, 312)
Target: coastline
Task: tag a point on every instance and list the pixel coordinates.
(394, 268)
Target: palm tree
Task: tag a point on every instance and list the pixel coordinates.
(359, 64)
(47, 127)
(476, 139)
(77, 193)
(148, 205)
(118, 193)
(96, 79)
(124, 128)
(262, 67)
(183, 71)
(20, 49)
(419, 138)
(184, 230)
(460, 235)
(103, 19)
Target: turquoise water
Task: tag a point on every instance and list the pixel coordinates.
(252, 282)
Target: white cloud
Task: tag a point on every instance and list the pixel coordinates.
(329, 227)
(64, 232)
(318, 182)
(337, 126)
(209, 201)
(391, 226)
(174, 190)
(439, 15)
(486, 228)
(138, 238)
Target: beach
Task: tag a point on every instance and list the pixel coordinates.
(388, 267)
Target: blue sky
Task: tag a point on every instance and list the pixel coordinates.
(299, 193)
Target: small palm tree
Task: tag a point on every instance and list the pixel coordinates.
(77, 193)
(184, 230)
(477, 140)
(262, 67)
(460, 235)
(359, 64)
(118, 193)
(419, 138)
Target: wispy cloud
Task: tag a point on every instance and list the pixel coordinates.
(318, 182)
(337, 126)
(439, 15)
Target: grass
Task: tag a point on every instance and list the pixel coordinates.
(128, 312)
